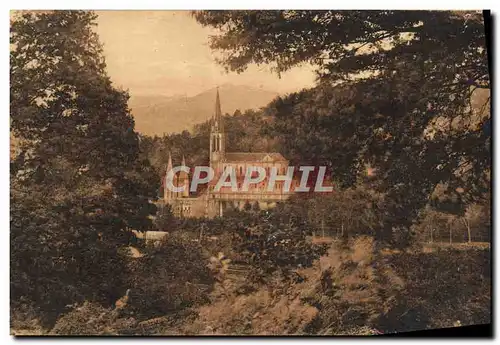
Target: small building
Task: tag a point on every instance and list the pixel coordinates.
(150, 236)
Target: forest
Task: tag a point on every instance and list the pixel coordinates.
(404, 94)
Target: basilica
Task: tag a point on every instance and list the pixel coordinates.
(213, 201)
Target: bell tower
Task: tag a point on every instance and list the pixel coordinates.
(217, 136)
(168, 194)
(184, 181)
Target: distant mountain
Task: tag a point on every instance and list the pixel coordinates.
(159, 114)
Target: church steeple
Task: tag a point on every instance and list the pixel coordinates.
(218, 111)
(169, 165)
(217, 136)
(183, 180)
(167, 193)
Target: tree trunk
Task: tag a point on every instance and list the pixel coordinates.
(323, 227)
(201, 233)
(467, 225)
(432, 230)
(450, 232)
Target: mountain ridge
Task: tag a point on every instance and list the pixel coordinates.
(157, 114)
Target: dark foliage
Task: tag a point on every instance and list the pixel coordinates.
(77, 183)
(398, 91)
(170, 277)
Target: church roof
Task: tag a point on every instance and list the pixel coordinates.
(254, 157)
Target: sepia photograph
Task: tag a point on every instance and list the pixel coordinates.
(250, 173)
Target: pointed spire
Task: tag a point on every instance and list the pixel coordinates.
(168, 193)
(218, 111)
(169, 166)
(185, 178)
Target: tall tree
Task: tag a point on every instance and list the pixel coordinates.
(407, 103)
(78, 185)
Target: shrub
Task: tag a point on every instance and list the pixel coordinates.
(443, 286)
(93, 319)
(24, 319)
(170, 277)
(337, 294)
(260, 313)
(350, 288)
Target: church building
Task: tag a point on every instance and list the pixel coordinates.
(212, 202)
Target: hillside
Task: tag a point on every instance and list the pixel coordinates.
(158, 115)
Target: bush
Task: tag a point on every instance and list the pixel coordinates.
(338, 294)
(169, 278)
(355, 289)
(57, 258)
(443, 286)
(24, 319)
(260, 313)
(165, 220)
(350, 288)
(93, 319)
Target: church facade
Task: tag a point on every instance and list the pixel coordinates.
(213, 201)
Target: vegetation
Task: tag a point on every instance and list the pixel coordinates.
(366, 108)
(77, 183)
(353, 290)
(393, 249)
(244, 134)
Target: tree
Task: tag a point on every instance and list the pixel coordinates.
(256, 207)
(431, 225)
(165, 219)
(340, 43)
(172, 277)
(476, 219)
(243, 134)
(247, 206)
(397, 90)
(78, 185)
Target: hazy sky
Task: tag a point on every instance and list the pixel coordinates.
(167, 53)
